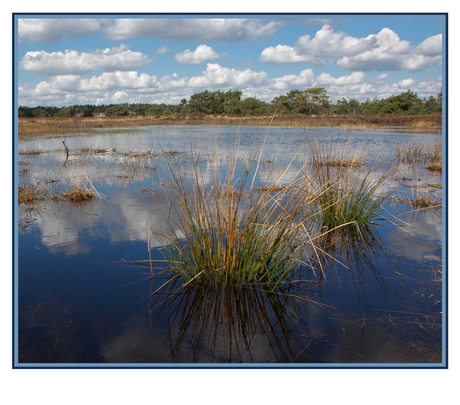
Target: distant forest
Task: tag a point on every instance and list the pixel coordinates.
(310, 101)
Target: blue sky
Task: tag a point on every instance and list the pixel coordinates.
(107, 59)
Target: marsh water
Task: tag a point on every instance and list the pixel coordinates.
(84, 291)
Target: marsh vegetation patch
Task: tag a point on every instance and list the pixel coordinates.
(218, 245)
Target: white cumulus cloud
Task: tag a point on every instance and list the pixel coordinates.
(382, 51)
(133, 87)
(217, 76)
(290, 82)
(432, 46)
(118, 80)
(282, 54)
(320, 50)
(71, 62)
(201, 54)
(406, 83)
(326, 79)
(327, 44)
(391, 53)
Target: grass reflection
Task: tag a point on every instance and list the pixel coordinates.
(219, 323)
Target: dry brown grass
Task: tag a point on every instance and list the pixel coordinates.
(420, 202)
(358, 127)
(422, 153)
(271, 189)
(79, 195)
(422, 124)
(28, 193)
(342, 163)
(435, 167)
(58, 126)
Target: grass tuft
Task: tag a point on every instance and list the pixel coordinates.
(28, 193)
(346, 193)
(421, 198)
(435, 167)
(230, 232)
(79, 195)
(419, 152)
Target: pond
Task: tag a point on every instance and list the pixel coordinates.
(88, 293)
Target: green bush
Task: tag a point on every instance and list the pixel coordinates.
(115, 110)
(66, 112)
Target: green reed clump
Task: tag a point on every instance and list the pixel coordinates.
(230, 232)
(346, 194)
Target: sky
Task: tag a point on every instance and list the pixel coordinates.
(94, 59)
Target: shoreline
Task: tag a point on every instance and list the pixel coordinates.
(31, 127)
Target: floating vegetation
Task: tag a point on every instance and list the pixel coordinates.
(342, 163)
(79, 195)
(85, 149)
(420, 202)
(83, 192)
(422, 198)
(30, 152)
(104, 150)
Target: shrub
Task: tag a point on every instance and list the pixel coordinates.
(66, 112)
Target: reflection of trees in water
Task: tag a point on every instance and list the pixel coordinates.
(216, 323)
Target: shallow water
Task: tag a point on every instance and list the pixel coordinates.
(82, 299)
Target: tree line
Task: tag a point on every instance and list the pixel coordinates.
(309, 102)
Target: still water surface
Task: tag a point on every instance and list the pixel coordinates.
(83, 299)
